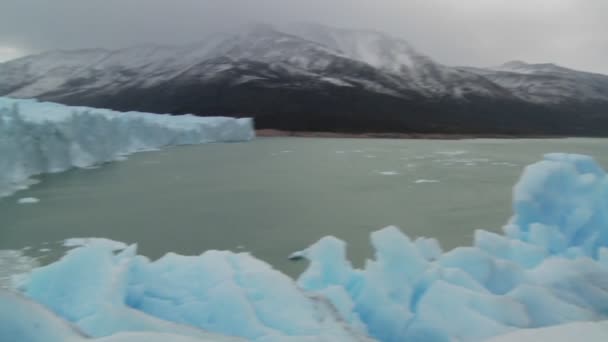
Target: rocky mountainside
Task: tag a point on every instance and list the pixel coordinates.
(312, 77)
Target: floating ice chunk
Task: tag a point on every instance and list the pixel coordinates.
(422, 181)
(503, 164)
(13, 263)
(389, 173)
(452, 153)
(28, 200)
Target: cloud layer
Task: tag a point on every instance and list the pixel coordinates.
(455, 32)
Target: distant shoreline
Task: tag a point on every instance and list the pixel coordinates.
(429, 136)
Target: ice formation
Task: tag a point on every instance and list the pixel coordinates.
(28, 200)
(580, 331)
(549, 268)
(27, 321)
(38, 137)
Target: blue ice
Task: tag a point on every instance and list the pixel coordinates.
(550, 267)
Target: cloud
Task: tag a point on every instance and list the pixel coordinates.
(8, 53)
(458, 32)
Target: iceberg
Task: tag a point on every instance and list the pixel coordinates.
(38, 137)
(546, 275)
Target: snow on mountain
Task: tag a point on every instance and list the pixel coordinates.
(40, 137)
(369, 59)
(547, 83)
(282, 75)
(374, 48)
(396, 56)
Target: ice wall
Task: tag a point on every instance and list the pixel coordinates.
(38, 137)
(549, 268)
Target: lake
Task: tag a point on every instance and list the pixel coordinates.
(274, 196)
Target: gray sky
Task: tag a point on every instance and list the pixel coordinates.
(572, 33)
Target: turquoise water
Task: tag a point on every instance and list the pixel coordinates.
(278, 195)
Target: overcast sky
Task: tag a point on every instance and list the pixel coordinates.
(573, 33)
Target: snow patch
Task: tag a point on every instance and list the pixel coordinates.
(336, 81)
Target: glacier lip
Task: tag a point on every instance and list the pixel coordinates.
(38, 137)
(549, 268)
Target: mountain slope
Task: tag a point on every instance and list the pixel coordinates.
(548, 83)
(312, 77)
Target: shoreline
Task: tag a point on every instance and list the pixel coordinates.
(270, 133)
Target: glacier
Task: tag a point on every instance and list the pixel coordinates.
(546, 275)
(38, 137)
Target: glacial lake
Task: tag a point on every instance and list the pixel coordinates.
(274, 196)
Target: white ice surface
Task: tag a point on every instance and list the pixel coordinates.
(38, 137)
(581, 331)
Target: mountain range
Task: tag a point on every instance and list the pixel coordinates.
(309, 77)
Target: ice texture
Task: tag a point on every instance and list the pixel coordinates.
(38, 137)
(217, 292)
(22, 320)
(580, 331)
(550, 267)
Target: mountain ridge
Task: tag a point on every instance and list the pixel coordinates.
(313, 77)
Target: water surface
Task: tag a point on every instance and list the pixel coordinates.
(274, 196)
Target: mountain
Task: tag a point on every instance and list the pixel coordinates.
(548, 83)
(312, 77)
